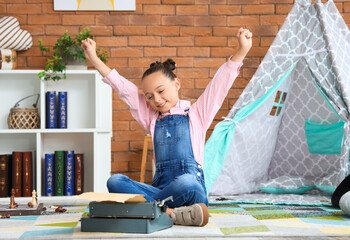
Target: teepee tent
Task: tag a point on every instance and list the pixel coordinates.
(292, 120)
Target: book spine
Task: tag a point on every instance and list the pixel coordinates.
(9, 175)
(62, 109)
(17, 173)
(51, 110)
(59, 173)
(27, 174)
(79, 173)
(69, 173)
(49, 170)
(4, 175)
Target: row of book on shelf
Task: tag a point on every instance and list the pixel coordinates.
(63, 174)
(56, 109)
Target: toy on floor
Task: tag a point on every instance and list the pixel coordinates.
(341, 196)
(15, 209)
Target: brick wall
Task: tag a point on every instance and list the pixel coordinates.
(198, 34)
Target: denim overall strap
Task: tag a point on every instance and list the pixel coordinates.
(173, 151)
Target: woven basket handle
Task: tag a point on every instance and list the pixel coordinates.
(34, 105)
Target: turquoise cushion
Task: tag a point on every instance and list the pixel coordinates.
(326, 188)
(287, 185)
(324, 138)
(277, 190)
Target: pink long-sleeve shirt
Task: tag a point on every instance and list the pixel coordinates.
(201, 113)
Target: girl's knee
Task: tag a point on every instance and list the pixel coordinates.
(114, 181)
(188, 182)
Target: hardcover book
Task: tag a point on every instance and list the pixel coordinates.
(51, 109)
(62, 109)
(59, 173)
(17, 173)
(49, 170)
(69, 173)
(79, 173)
(27, 174)
(4, 175)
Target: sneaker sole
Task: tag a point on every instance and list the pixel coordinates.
(205, 214)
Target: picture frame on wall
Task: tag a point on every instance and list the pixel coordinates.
(93, 5)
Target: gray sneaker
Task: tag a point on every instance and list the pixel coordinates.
(195, 215)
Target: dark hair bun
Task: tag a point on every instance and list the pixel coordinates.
(170, 64)
(154, 64)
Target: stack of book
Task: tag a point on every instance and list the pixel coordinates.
(56, 109)
(17, 170)
(64, 173)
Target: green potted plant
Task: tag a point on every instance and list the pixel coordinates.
(65, 51)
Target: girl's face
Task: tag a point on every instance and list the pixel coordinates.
(160, 91)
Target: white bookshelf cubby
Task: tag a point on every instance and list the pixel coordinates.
(89, 130)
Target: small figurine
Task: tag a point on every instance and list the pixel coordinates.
(34, 198)
(60, 209)
(12, 199)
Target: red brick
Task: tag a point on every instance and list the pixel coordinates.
(34, 29)
(78, 19)
(118, 104)
(242, 1)
(191, 93)
(148, 1)
(201, 82)
(144, 20)
(192, 73)
(121, 125)
(193, 10)
(2, 8)
(209, 62)
(127, 52)
(144, 41)
(221, 51)
(129, 30)
(159, 9)
(177, 41)
(135, 126)
(117, 62)
(177, 1)
(264, 30)
(242, 20)
(112, 41)
(266, 41)
(38, 62)
(160, 51)
(258, 9)
(225, 9)
(225, 31)
(276, 1)
(210, 1)
(126, 156)
(99, 30)
(347, 7)
(283, 8)
(113, 20)
(131, 73)
(119, 146)
(33, 51)
(23, 8)
(119, 166)
(132, 135)
(257, 51)
(187, 83)
(59, 30)
(47, 19)
(195, 31)
(142, 62)
(251, 62)
(193, 51)
(163, 30)
(210, 21)
(177, 20)
(211, 41)
(272, 19)
(48, 9)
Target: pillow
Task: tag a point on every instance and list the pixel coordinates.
(327, 184)
(12, 37)
(287, 185)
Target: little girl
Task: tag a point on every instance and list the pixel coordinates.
(177, 128)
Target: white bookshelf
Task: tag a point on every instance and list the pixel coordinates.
(89, 122)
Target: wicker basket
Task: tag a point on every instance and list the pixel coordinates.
(24, 118)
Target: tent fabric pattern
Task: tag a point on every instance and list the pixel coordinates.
(308, 61)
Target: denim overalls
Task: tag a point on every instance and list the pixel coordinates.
(177, 173)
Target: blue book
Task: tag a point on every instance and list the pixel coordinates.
(62, 109)
(49, 174)
(51, 109)
(69, 173)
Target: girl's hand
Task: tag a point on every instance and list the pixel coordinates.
(89, 47)
(245, 39)
(245, 43)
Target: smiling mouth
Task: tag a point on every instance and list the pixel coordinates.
(161, 105)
